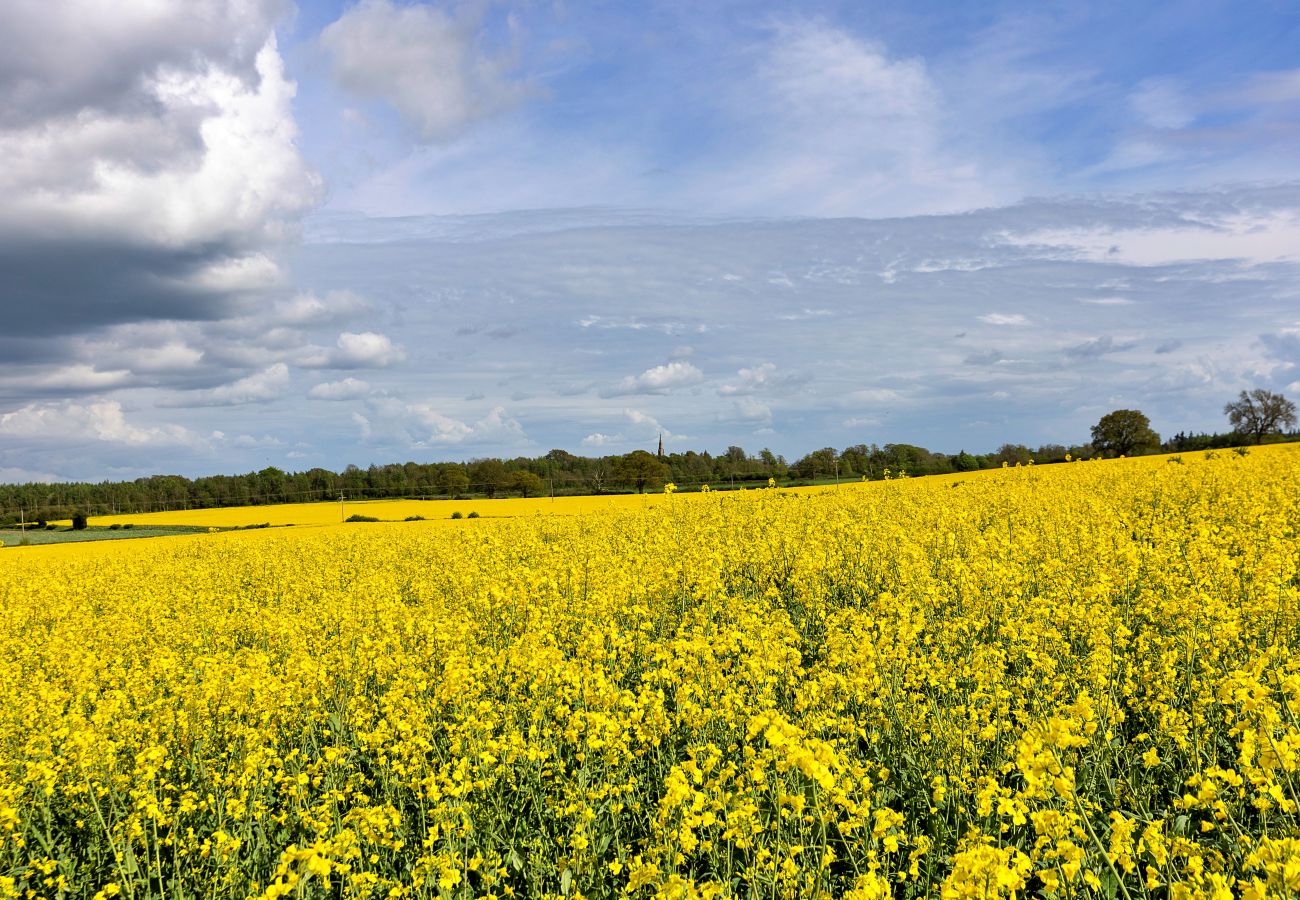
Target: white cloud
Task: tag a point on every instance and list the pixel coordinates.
(419, 424)
(364, 350)
(78, 378)
(151, 168)
(762, 378)
(67, 421)
(204, 155)
(1106, 301)
(259, 387)
(346, 389)
(79, 54)
(640, 429)
(172, 356)
(311, 309)
(1003, 319)
(658, 380)
(428, 64)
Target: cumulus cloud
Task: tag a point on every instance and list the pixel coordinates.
(78, 379)
(364, 350)
(428, 64)
(150, 160)
(422, 424)
(346, 389)
(259, 387)
(105, 421)
(638, 429)
(762, 378)
(313, 309)
(658, 380)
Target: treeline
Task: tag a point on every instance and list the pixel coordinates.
(556, 473)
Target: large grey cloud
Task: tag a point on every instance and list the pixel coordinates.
(62, 59)
(147, 160)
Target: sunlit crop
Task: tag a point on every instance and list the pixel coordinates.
(1070, 680)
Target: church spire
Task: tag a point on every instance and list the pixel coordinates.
(661, 445)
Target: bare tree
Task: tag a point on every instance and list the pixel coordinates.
(1260, 412)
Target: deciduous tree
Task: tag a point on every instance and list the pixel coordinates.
(1260, 412)
(525, 483)
(640, 468)
(1124, 432)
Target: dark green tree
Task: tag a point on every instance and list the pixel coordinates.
(453, 480)
(1011, 454)
(639, 468)
(1124, 432)
(526, 484)
(818, 464)
(488, 476)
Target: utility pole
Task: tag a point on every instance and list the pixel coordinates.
(837, 474)
(341, 519)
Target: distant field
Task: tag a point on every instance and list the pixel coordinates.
(398, 510)
(285, 514)
(40, 536)
(319, 514)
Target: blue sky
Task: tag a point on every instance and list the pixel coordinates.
(244, 233)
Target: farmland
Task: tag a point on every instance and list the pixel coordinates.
(1069, 680)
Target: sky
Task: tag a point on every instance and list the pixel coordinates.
(249, 233)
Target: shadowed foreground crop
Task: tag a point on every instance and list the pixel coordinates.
(1070, 680)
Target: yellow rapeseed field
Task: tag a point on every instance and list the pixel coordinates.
(1076, 680)
(322, 513)
(386, 510)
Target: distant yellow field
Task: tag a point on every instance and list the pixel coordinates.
(434, 510)
(397, 510)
